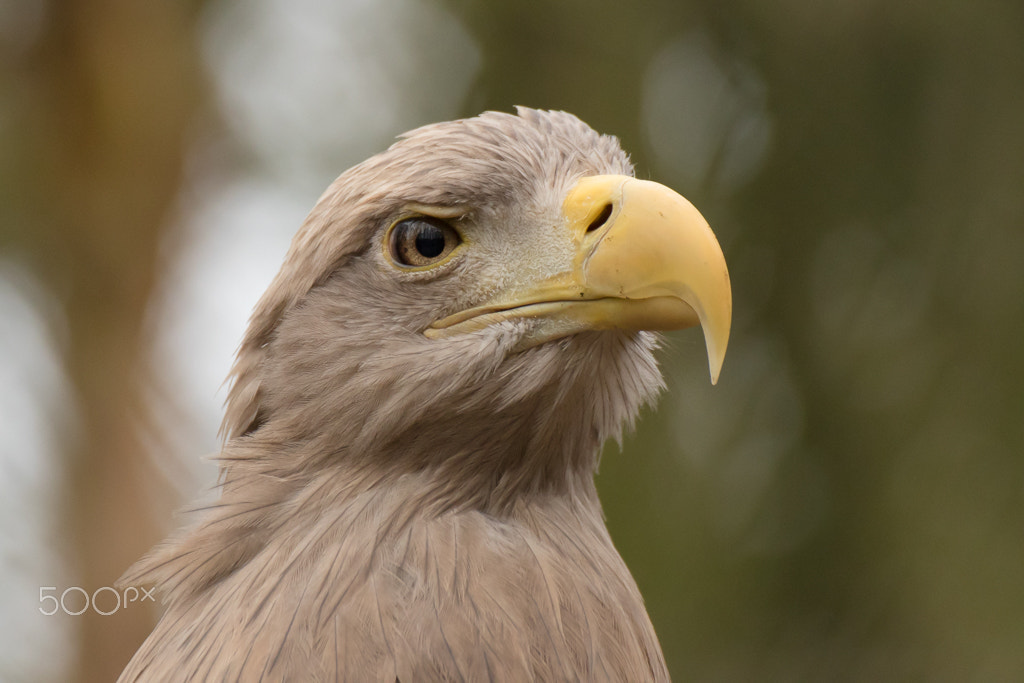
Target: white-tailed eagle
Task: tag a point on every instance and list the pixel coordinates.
(416, 415)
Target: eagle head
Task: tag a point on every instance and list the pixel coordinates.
(484, 286)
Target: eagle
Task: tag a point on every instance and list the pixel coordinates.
(416, 414)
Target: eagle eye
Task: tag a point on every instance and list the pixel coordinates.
(421, 241)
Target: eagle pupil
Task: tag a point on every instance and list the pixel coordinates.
(429, 241)
(421, 241)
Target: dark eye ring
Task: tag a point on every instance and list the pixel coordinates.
(421, 241)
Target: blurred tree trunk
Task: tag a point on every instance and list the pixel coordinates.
(118, 86)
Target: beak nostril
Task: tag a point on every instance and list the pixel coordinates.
(601, 218)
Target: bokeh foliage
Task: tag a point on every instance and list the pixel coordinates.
(848, 502)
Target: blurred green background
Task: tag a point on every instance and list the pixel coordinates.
(847, 503)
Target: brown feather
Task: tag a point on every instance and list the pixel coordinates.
(395, 507)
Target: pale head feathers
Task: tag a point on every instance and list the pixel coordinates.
(334, 354)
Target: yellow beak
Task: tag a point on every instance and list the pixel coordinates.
(644, 259)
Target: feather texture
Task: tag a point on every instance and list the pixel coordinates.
(400, 508)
